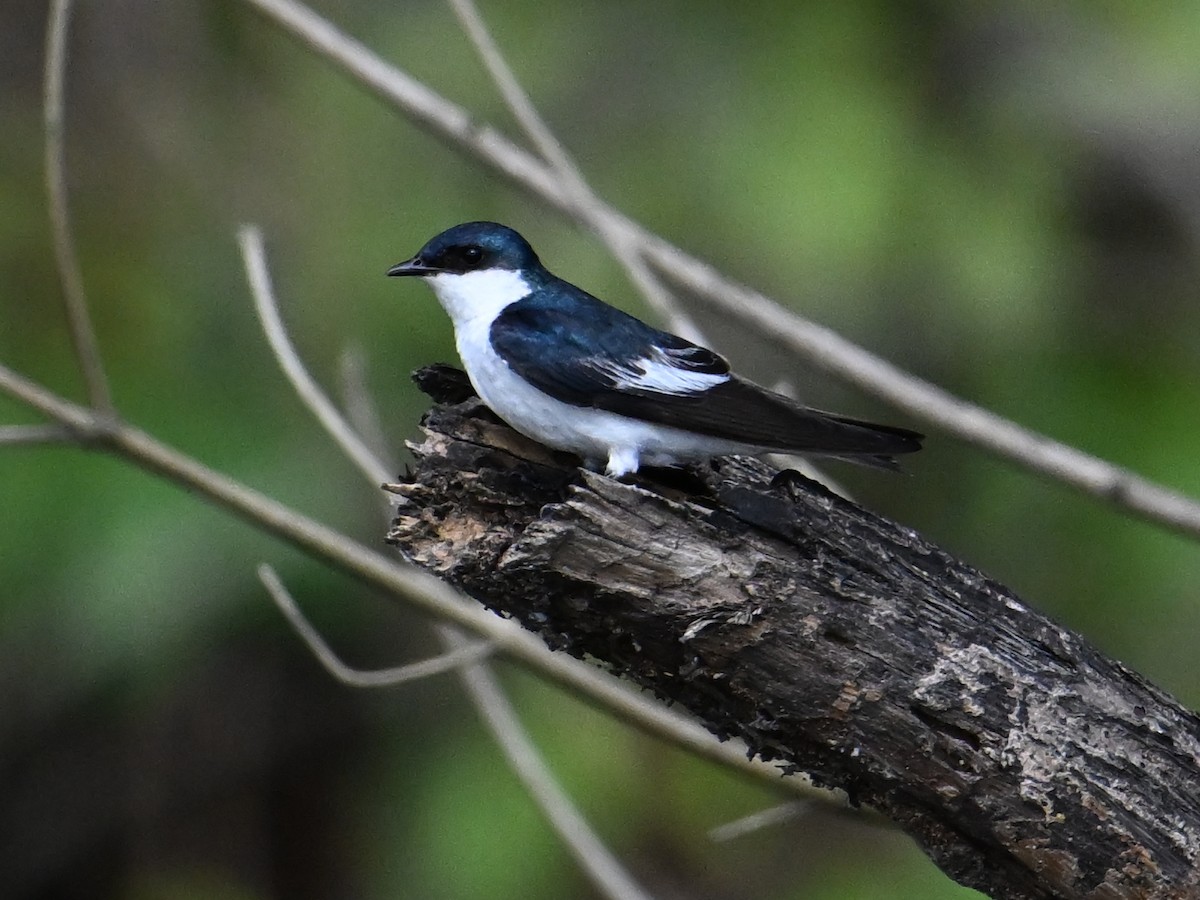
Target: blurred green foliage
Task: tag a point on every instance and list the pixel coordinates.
(1000, 197)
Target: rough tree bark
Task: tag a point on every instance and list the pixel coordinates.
(1024, 762)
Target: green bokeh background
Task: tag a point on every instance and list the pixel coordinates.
(1003, 198)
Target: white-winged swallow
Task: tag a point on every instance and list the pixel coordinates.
(568, 370)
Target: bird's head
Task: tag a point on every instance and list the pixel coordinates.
(471, 247)
(475, 269)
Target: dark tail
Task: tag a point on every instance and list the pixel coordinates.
(895, 441)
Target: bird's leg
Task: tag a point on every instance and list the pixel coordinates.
(621, 461)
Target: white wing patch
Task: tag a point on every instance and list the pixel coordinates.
(660, 372)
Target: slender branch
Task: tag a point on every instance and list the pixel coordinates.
(605, 871)
(78, 419)
(79, 321)
(463, 655)
(515, 97)
(361, 413)
(585, 200)
(764, 818)
(827, 350)
(255, 259)
(502, 721)
(34, 435)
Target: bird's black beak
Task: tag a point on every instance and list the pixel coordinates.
(412, 266)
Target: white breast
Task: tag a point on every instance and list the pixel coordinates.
(476, 296)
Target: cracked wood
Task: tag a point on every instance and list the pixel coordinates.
(1024, 762)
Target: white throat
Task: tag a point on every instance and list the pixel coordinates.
(477, 296)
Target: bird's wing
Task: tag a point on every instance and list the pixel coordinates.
(741, 411)
(589, 354)
(584, 349)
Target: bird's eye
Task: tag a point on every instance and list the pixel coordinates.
(472, 255)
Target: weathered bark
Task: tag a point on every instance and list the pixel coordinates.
(1025, 763)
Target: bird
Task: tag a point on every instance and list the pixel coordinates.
(574, 373)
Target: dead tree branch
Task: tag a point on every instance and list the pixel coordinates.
(1026, 763)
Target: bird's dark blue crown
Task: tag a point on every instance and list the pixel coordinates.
(478, 245)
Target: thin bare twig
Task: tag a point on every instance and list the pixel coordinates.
(515, 97)
(79, 320)
(465, 654)
(34, 435)
(254, 257)
(829, 351)
(501, 719)
(764, 818)
(591, 854)
(362, 415)
(552, 150)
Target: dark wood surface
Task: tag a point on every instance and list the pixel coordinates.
(1024, 762)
